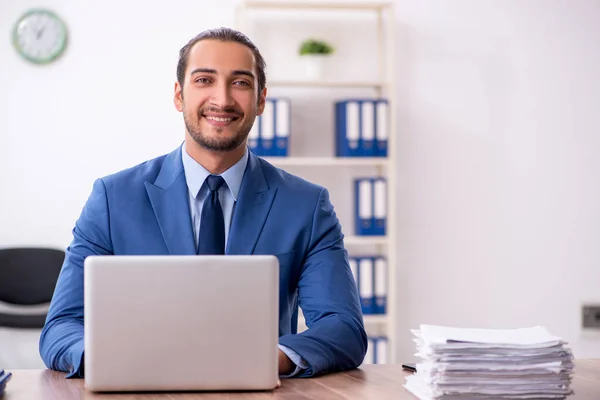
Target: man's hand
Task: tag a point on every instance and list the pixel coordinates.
(286, 366)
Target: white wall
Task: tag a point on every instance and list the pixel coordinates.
(106, 105)
(500, 202)
(498, 215)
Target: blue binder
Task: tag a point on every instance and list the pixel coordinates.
(366, 284)
(361, 127)
(349, 125)
(372, 281)
(380, 351)
(367, 128)
(381, 285)
(370, 206)
(363, 207)
(374, 341)
(379, 206)
(266, 141)
(282, 126)
(382, 125)
(270, 133)
(346, 128)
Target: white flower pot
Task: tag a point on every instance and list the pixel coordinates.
(314, 65)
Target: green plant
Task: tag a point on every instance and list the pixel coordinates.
(315, 46)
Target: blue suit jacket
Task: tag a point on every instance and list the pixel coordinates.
(145, 210)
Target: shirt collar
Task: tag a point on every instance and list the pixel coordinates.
(196, 174)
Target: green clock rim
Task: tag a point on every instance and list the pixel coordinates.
(57, 53)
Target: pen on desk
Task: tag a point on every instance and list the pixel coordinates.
(409, 367)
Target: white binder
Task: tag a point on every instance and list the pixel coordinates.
(365, 205)
(381, 132)
(267, 128)
(381, 287)
(367, 128)
(282, 110)
(381, 350)
(380, 205)
(365, 285)
(352, 125)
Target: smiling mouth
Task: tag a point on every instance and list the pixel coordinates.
(220, 119)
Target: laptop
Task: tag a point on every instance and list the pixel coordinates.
(181, 323)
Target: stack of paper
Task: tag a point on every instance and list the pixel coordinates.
(478, 364)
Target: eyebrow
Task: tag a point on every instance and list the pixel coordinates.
(214, 71)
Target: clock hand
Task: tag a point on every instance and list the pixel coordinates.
(39, 33)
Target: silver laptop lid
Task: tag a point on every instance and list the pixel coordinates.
(181, 322)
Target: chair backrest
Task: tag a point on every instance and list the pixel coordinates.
(27, 280)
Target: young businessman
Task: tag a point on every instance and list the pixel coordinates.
(184, 203)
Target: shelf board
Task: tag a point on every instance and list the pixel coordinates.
(327, 84)
(369, 319)
(365, 240)
(312, 5)
(375, 319)
(328, 161)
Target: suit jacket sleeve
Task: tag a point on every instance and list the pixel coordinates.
(61, 340)
(335, 339)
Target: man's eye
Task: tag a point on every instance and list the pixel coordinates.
(202, 80)
(243, 83)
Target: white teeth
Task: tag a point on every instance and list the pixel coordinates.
(218, 119)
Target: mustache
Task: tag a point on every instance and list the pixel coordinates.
(227, 110)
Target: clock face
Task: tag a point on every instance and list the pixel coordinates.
(40, 36)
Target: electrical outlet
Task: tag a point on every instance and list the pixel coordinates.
(591, 316)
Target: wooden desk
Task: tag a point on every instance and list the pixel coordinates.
(377, 382)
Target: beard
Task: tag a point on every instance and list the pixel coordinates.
(219, 142)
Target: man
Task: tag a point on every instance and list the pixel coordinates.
(213, 196)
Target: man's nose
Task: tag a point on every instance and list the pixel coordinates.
(222, 96)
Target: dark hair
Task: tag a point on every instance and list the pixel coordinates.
(224, 35)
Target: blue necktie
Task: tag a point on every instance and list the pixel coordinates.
(212, 225)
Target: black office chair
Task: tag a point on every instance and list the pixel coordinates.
(27, 280)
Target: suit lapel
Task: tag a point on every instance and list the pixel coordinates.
(170, 202)
(251, 209)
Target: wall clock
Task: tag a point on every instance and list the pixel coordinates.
(40, 36)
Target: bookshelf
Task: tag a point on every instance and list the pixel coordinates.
(369, 319)
(327, 84)
(366, 240)
(379, 82)
(328, 161)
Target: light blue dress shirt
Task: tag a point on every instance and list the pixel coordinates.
(195, 176)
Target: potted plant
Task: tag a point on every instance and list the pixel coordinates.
(314, 53)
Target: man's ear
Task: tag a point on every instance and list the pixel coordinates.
(178, 97)
(262, 99)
